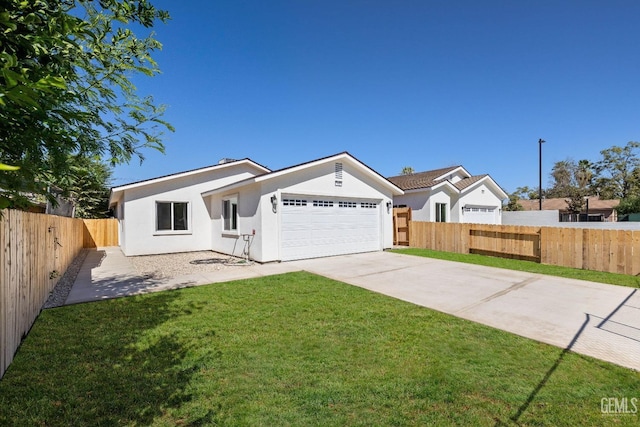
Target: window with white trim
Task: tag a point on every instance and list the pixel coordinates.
(172, 216)
(441, 212)
(230, 213)
(368, 205)
(323, 203)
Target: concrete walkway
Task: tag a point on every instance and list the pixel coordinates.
(106, 273)
(594, 319)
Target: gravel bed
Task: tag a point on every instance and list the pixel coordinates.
(155, 266)
(59, 295)
(181, 264)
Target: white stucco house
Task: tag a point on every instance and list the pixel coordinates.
(450, 195)
(330, 206)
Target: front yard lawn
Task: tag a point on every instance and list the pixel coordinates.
(295, 349)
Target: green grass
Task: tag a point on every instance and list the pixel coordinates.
(528, 266)
(298, 350)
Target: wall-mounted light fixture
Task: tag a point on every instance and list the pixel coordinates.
(388, 207)
(274, 203)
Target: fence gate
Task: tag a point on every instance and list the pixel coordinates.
(401, 220)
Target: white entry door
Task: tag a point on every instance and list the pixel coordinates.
(314, 227)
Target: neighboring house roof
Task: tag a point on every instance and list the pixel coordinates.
(437, 177)
(292, 169)
(467, 182)
(225, 163)
(424, 179)
(560, 204)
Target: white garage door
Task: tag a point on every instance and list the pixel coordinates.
(319, 226)
(480, 214)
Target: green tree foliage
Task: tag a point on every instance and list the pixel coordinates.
(629, 205)
(66, 90)
(407, 170)
(88, 186)
(562, 179)
(584, 173)
(526, 193)
(575, 200)
(513, 203)
(618, 171)
(573, 181)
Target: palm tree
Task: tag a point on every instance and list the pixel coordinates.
(407, 170)
(584, 173)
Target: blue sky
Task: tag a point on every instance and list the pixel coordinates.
(426, 84)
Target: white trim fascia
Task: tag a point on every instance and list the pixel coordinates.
(396, 191)
(499, 191)
(452, 171)
(447, 183)
(191, 172)
(117, 190)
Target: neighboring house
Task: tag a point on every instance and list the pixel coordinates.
(450, 195)
(594, 209)
(40, 204)
(330, 206)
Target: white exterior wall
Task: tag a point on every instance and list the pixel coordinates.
(423, 202)
(440, 196)
(482, 195)
(418, 202)
(249, 219)
(139, 235)
(256, 212)
(549, 218)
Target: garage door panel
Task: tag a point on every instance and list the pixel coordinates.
(479, 214)
(324, 230)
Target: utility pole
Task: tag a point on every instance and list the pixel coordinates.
(540, 142)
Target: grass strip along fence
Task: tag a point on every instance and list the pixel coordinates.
(35, 251)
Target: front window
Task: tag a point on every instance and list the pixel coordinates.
(172, 216)
(230, 213)
(441, 212)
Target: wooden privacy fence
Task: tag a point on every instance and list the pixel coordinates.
(615, 251)
(35, 250)
(100, 232)
(401, 220)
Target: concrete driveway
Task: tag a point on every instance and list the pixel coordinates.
(594, 319)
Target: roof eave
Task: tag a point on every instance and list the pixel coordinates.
(395, 190)
(188, 173)
(453, 170)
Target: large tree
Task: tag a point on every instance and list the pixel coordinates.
(88, 186)
(66, 91)
(562, 178)
(618, 171)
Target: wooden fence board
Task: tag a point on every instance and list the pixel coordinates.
(29, 255)
(401, 220)
(616, 251)
(635, 253)
(100, 232)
